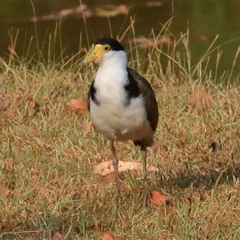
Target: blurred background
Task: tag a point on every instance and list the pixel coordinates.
(72, 25)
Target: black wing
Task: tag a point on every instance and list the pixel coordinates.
(92, 95)
(149, 97)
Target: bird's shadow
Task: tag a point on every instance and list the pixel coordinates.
(208, 180)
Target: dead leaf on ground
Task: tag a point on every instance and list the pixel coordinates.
(3, 103)
(88, 127)
(78, 105)
(23, 213)
(32, 103)
(39, 231)
(97, 225)
(57, 236)
(160, 147)
(200, 99)
(108, 178)
(4, 191)
(105, 168)
(33, 106)
(158, 198)
(110, 236)
(107, 236)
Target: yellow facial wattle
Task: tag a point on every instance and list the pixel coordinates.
(96, 53)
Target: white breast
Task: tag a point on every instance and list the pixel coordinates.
(115, 119)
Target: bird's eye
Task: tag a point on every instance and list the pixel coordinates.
(106, 47)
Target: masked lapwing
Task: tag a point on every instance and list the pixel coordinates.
(122, 103)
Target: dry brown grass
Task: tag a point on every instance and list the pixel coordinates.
(47, 186)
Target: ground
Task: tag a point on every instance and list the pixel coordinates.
(48, 189)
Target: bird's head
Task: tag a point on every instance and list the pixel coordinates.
(103, 48)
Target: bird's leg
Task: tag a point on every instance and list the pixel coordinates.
(115, 166)
(145, 183)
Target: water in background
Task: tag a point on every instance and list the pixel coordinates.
(33, 22)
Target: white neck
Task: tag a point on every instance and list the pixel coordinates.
(115, 59)
(112, 76)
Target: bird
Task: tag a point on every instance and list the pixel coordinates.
(121, 103)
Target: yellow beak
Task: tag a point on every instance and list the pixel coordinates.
(96, 53)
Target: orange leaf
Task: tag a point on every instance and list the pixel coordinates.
(32, 104)
(158, 198)
(23, 213)
(4, 191)
(97, 225)
(58, 236)
(107, 236)
(3, 103)
(200, 99)
(88, 127)
(105, 168)
(109, 177)
(78, 105)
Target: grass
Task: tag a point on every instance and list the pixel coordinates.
(47, 185)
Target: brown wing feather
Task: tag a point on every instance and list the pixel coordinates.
(148, 96)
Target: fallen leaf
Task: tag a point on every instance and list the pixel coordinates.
(158, 198)
(97, 225)
(160, 147)
(4, 191)
(39, 231)
(33, 106)
(78, 105)
(23, 213)
(57, 236)
(3, 103)
(105, 168)
(108, 178)
(88, 127)
(107, 236)
(200, 99)
(32, 103)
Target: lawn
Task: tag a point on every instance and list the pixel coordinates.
(48, 189)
